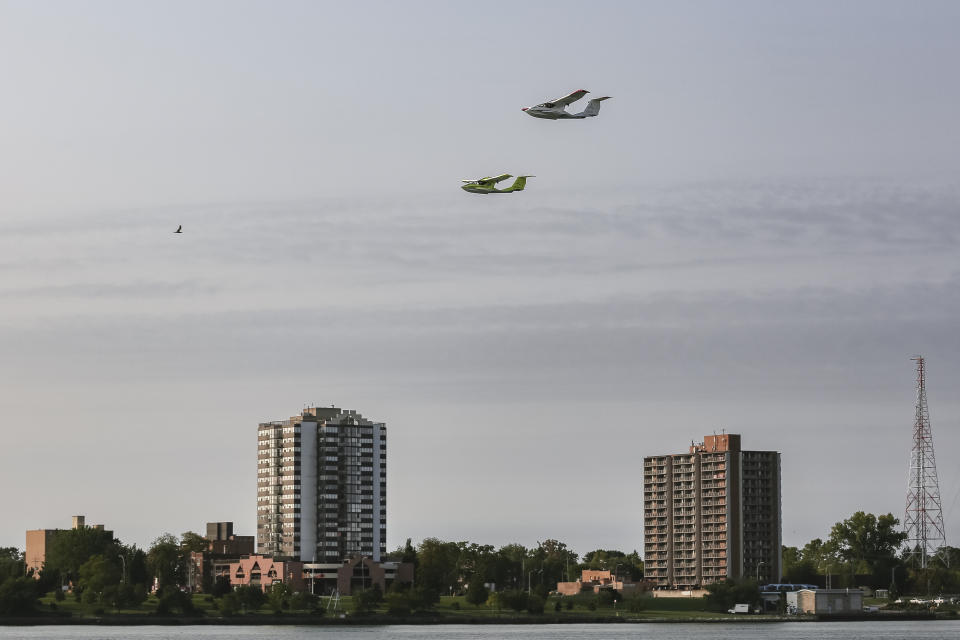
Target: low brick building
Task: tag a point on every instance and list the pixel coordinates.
(223, 548)
(355, 574)
(594, 580)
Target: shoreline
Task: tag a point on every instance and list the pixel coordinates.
(379, 621)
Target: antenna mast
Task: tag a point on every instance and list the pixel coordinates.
(924, 516)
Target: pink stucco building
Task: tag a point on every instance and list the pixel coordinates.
(263, 572)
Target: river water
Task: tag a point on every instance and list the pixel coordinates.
(921, 630)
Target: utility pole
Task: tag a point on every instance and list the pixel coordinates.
(923, 520)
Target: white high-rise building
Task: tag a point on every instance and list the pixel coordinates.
(322, 486)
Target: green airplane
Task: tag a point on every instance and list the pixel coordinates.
(487, 185)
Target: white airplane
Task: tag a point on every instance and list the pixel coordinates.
(556, 109)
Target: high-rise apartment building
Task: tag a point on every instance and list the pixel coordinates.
(322, 486)
(711, 513)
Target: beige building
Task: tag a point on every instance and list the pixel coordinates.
(711, 513)
(39, 541)
(322, 486)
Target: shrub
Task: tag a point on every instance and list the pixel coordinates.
(423, 598)
(477, 593)
(514, 599)
(229, 604)
(304, 601)
(251, 597)
(607, 597)
(535, 604)
(367, 600)
(221, 587)
(637, 603)
(398, 603)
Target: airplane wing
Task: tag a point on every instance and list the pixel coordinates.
(489, 179)
(573, 97)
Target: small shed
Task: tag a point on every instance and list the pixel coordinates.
(825, 601)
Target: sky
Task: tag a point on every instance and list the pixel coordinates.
(756, 235)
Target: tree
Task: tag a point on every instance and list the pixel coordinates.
(70, 548)
(367, 600)
(165, 561)
(18, 596)
(508, 565)
(865, 538)
(477, 592)
(408, 554)
(96, 576)
(868, 544)
(553, 560)
(721, 596)
(798, 569)
(279, 597)
(438, 565)
(477, 562)
(11, 563)
(193, 542)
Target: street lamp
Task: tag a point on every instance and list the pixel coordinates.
(758, 570)
(529, 574)
(123, 576)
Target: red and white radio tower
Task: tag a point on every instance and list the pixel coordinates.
(924, 516)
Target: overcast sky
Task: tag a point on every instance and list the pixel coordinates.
(756, 234)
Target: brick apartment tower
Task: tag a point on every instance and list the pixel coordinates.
(322, 486)
(710, 514)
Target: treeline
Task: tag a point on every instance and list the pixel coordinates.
(510, 577)
(867, 550)
(449, 567)
(103, 574)
(100, 572)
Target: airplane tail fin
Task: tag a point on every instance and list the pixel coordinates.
(520, 183)
(593, 107)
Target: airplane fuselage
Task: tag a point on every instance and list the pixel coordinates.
(475, 188)
(551, 114)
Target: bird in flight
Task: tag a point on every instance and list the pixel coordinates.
(179, 229)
